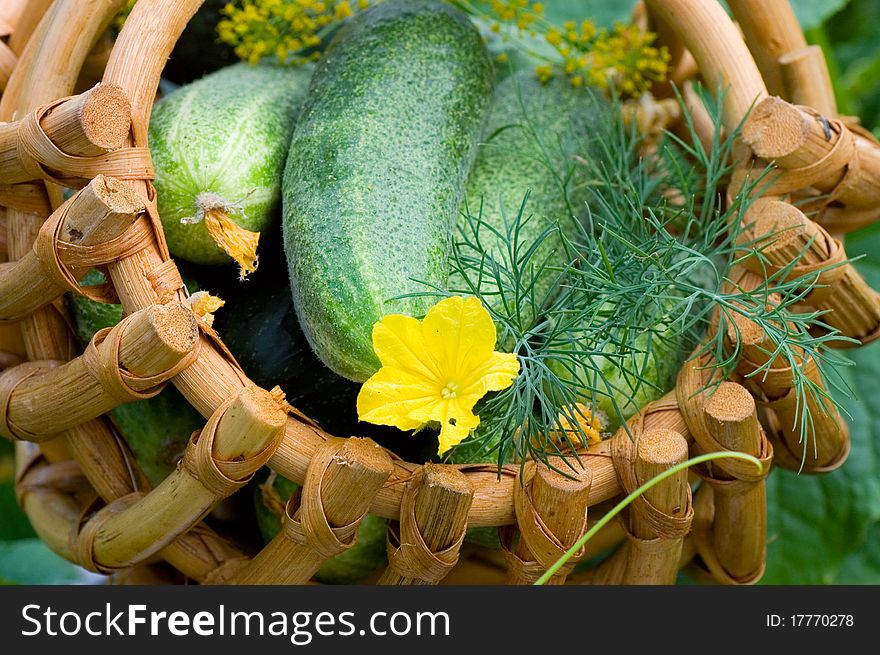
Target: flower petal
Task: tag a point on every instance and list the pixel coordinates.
(459, 334)
(398, 343)
(455, 426)
(394, 397)
(495, 373)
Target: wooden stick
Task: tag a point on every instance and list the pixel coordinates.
(90, 124)
(347, 487)
(443, 498)
(28, 18)
(771, 30)
(52, 511)
(246, 428)
(713, 39)
(657, 451)
(104, 210)
(851, 305)
(740, 524)
(785, 134)
(560, 498)
(153, 341)
(10, 12)
(703, 126)
(8, 60)
(828, 436)
(807, 81)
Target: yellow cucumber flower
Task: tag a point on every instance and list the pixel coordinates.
(435, 370)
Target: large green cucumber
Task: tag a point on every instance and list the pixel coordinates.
(157, 429)
(219, 147)
(367, 555)
(376, 171)
(532, 136)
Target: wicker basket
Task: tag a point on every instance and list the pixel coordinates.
(81, 487)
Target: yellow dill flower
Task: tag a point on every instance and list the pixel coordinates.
(624, 56)
(283, 28)
(590, 424)
(544, 72)
(517, 12)
(435, 370)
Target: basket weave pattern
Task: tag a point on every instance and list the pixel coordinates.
(81, 487)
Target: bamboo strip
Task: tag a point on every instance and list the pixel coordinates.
(842, 220)
(657, 451)
(771, 30)
(247, 427)
(806, 146)
(11, 341)
(104, 210)
(339, 493)
(852, 306)
(10, 12)
(152, 343)
(52, 511)
(559, 499)
(740, 523)
(703, 125)
(828, 435)
(90, 124)
(725, 62)
(29, 16)
(7, 64)
(61, 41)
(807, 81)
(443, 496)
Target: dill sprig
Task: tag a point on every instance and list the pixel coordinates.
(647, 281)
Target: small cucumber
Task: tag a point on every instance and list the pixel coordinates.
(219, 146)
(376, 171)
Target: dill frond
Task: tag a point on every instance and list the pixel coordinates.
(646, 282)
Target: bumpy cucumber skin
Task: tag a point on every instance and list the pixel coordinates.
(367, 556)
(228, 134)
(157, 429)
(532, 134)
(376, 171)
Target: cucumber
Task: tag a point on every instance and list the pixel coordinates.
(156, 429)
(532, 135)
(260, 327)
(376, 171)
(218, 147)
(367, 556)
(628, 384)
